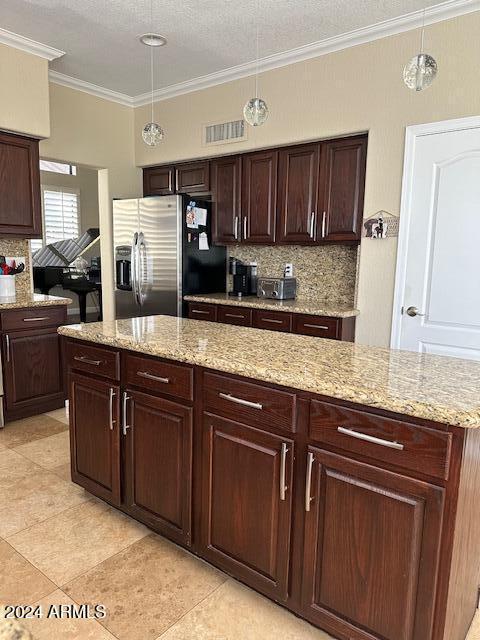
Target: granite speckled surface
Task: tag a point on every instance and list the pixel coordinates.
(24, 300)
(13, 247)
(437, 388)
(312, 307)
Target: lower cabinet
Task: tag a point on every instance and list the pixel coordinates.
(247, 503)
(158, 464)
(371, 549)
(95, 435)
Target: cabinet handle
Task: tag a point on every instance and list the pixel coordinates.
(283, 471)
(246, 403)
(245, 234)
(315, 326)
(112, 421)
(324, 223)
(271, 320)
(235, 228)
(126, 426)
(308, 480)
(205, 313)
(150, 376)
(311, 233)
(234, 315)
(7, 344)
(35, 319)
(373, 439)
(96, 363)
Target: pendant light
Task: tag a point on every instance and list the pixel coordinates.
(255, 110)
(421, 70)
(152, 133)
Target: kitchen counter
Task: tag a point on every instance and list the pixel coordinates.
(22, 301)
(314, 308)
(442, 389)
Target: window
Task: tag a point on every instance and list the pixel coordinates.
(58, 167)
(61, 215)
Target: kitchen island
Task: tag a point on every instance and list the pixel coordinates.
(337, 479)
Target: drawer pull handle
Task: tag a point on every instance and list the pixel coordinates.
(271, 320)
(205, 313)
(308, 481)
(85, 360)
(283, 471)
(150, 376)
(246, 403)
(112, 421)
(316, 326)
(364, 436)
(39, 319)
(234, 315)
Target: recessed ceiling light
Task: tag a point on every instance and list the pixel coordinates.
(153, 40)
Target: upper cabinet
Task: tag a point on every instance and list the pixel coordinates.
(342, 182)
(20, 204)
(193, 177)
(259, 197)
(226, 186)
(159, 181)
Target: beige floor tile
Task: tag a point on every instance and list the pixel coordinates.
(59, 414)
(14, 468)
(72, 542)
(33, 498)
(234, 612)
(146, 588)
(48, 628)
(48, 452)
(474, 632)
(63, 471)
(20, 582)
(20, 432)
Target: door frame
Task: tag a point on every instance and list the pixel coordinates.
(411, 134)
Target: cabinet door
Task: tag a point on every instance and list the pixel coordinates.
(247, 488)
(259, 199)
(33, 376)
(95, 436)
(158, 471)
(226, 180)
(298, 170)
(372, 539)
(342, 187)
(193, 177)
(20, 208)
(159, 181)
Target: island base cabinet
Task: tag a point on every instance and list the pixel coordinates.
(247, 503)
(371, 550)
(158, 464)
(95, 436)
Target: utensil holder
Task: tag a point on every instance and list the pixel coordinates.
(7, 286)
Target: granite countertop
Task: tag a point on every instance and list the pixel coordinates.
(22, 301)
(438, 388)
(314, 308)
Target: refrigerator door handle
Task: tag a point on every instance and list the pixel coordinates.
(134, 267)
(141, 257)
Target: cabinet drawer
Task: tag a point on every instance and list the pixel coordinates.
(235, 315)
(317, 326)
(199, 311)
(101, 362)
(34, 318)
(164, 377)
(273, 320)
(249, 403)
(409, 446)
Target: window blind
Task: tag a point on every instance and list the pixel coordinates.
(60, 216)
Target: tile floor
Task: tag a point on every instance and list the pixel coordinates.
(59, 545)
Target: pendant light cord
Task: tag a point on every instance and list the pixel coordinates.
(256, 50)
(422, 41)
(151, 56)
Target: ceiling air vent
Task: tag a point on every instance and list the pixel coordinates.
(224, 132)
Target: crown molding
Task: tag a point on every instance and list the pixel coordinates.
(437, 13)
(30, 46)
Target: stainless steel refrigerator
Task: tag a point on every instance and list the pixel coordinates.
(158, 259)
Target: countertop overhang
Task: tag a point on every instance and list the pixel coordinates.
(437, 388)
(30, 300)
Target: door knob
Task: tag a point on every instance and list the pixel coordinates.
(413, 311)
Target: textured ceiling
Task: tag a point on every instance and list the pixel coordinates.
(100, 37)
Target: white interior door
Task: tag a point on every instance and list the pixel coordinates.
(437, 298)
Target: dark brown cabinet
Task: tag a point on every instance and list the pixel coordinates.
(95, 435)
(159, 181)
(371, 548)
(342, 189)
(158, 468)
(259, 199)
(20, 204)
(298, 173)
(226, 197)
(193, 177)
(247, 497)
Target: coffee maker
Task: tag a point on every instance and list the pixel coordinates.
(244, 278)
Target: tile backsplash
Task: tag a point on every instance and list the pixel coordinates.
(326, 272)
(18, 248)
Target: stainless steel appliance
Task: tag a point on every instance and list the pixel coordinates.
(158, 259)
(277, 288)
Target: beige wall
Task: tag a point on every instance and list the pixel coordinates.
(358, 89)
(24, 89)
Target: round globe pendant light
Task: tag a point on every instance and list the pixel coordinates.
(255, 110)
(152, 132)
(421, 70)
